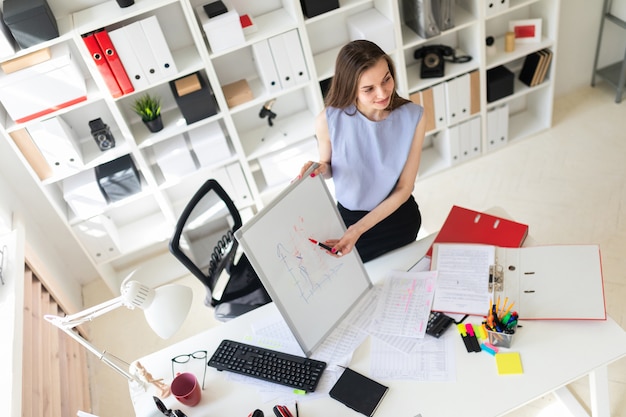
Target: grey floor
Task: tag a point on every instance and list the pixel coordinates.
(568, 184)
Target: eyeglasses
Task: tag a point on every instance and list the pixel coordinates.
(166, 411)
(200, 354)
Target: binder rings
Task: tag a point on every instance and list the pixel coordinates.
(468, 226)
(551, 282)
(113, 59)
(103, 66)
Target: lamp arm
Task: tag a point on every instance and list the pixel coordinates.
(72, 320)
(68, 325)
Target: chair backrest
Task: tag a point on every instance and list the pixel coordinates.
(203, 242)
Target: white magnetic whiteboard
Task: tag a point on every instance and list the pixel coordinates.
(312, 289)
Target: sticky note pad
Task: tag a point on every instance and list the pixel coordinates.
(509, 363)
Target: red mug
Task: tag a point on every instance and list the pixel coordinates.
(186, 389)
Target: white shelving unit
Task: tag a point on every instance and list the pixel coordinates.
(143, 223)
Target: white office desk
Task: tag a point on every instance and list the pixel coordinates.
(554, 353)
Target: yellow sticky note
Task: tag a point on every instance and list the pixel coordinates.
(509, 363)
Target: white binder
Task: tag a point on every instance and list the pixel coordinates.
(292, 44)
(129, 59)
(58, 144)
(475, 137)
(99, 237)
(545, 282)
(280, 54)
(497, 127)
(465, 141)
(439, 101)
(265, 66)
(241, 192)
(141, 47)
(453, 135)
(159, 46)
(458, 98)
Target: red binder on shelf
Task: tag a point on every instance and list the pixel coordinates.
(102, 64)
(117, 67)
(468, 226)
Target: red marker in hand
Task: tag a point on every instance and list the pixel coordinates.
(322, 245)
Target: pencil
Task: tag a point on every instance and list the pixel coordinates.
(509, 309)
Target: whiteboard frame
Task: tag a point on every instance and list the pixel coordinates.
(334, 312)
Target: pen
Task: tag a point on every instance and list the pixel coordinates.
(324, 246)
(297, 412)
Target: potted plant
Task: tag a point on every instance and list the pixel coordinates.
(149, 109)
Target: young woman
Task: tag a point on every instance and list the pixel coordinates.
(370, 143)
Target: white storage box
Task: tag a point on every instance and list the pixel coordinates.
(283, 166)
(43, 88)
(99, 237)
(82, 194)
(173, 158)
(223, 31)
(209, 144)
(373, 26)
(58, 143)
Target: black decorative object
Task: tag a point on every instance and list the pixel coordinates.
(499, 83)
(266, 111)
(30, 21)
(215, 9)
(118, 179)
(125, 3)
(101, 134)
(194, 97)
(312, 8)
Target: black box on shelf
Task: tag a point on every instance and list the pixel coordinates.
(215, 8)
(499, 83)
(30, 21)
(312, 8)
(118, 178)
(194, 97)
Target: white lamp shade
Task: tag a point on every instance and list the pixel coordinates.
(169, 308)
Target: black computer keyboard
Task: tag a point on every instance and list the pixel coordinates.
(269, 365)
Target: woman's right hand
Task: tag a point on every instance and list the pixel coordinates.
(321, 168)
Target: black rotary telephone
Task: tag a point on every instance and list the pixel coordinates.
(433, 58)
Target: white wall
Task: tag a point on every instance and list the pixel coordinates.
(578, 36)
(46, 234)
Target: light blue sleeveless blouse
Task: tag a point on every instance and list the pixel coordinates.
(368, 157)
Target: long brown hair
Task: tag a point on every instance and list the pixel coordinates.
(355, 58)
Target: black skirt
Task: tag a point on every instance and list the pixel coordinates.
(396, 230)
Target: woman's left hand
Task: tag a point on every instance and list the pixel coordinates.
(346, 243)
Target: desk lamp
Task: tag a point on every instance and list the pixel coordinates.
(165, 309)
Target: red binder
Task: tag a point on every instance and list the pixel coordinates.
(468, 226)
(117, 67)
(102, 64)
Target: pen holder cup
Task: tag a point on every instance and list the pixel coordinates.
(501, 339)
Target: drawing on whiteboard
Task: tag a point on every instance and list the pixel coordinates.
(308, 267)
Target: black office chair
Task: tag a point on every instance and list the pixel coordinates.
(203, 241)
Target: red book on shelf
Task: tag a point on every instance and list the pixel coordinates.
(110, 54)
(468, 226)
(102, 64)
